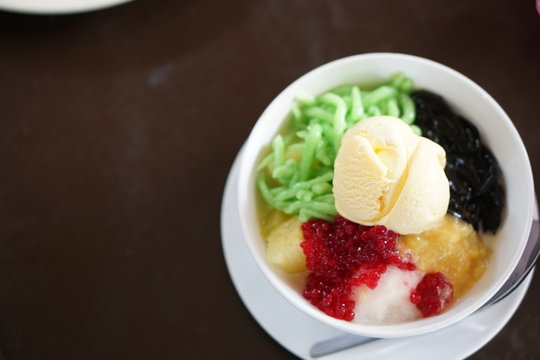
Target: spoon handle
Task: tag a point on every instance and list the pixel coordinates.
(526, 263)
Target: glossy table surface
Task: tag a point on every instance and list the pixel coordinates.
(117, 131)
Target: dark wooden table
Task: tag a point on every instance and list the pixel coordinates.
(117, 132)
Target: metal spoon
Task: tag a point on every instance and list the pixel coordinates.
(525, 265)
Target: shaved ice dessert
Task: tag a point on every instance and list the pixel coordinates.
(383, 224)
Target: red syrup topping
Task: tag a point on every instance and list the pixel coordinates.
(433, 294)
(342, 255)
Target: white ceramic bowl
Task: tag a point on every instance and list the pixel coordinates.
(465, 97)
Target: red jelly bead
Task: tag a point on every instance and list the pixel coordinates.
(415, 297)
(342, 255)
(433, 294)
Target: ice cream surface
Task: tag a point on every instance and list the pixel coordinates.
(387, 175)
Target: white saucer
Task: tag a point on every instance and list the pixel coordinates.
(297, 332)
(56, 6)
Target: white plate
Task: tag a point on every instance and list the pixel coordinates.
(298, 333)
(57, 6)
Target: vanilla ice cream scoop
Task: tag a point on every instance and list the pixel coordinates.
(384, 174)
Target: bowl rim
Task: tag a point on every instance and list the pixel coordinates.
(57, 7)
(248, 161)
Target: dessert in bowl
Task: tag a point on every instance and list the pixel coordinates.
(387, 146)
